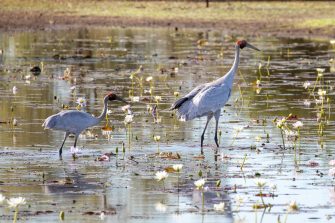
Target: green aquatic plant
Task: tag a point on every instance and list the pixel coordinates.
(319, 77)
(128, 120)
(282, 125)
(160, 176)
(260, 183)
(243, 162)
(200, 186)
(133, 77)
(177, 168)
(297, 125)
(292, 207)
(15, 203)
(81, 101)
(157, 139)
(237, 131)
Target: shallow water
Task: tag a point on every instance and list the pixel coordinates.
(101, 60)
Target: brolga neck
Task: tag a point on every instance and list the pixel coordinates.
(104, 110)
(231, 73)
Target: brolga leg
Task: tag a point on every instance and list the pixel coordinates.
(75, 141)
(217, 117)
(61, 147)
(209, 117)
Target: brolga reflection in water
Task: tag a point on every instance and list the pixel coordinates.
(208, 99)
(74, 121)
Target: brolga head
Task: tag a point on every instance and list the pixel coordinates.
(113, 97)
(243, 43)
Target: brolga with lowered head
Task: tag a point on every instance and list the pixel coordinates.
(208, 99)
(74, 121)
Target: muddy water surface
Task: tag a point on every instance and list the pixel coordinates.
(124, 188)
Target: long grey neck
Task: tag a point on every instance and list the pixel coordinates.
(104, 111)
(233, 69)
(229, 77)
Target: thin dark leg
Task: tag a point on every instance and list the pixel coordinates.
(209, 117)
(217, 117)
(75, 141)
(61, 148)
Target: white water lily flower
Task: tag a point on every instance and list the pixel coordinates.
(332, 41)
(159, 206)
(298, 124)
(148, 91)
(290, 134)
(320, 70)
(293, 206)
(125, 108)
(219, 207)
(280, 123)
(307, 84)
(161, 175)
(176, 93)
(16, 201)
(157, 138)
(81, 101)
(307, 103)
(331, 172)
(273, 186)
(128, 119)
(318, 101)
(135, 99)
(148, 79)
(322, 92)
(260, 183)
(200, 183)
(15, 122)
(15, 90)
(2, 198)
(109, 112)
(239, 199)
(177, 167)
(102, 216)
(158, 98)
(332, 162)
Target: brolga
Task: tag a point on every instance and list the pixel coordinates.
(208, 99)
(74, 121)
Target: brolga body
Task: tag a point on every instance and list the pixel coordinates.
(74, 121)
(208, 99)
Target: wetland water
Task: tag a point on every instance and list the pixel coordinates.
(102, 60)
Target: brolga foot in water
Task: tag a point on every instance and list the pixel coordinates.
(74, 121)
(208, 99)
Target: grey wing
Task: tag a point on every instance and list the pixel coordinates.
(208, 100)
(177, 104)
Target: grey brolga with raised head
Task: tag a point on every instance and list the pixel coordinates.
(208, 99)
(74, 121)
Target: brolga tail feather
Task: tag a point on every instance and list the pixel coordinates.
(178, 103)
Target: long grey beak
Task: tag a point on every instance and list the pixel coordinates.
(252, 47)
(121, 99)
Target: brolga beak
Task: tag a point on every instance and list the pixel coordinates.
(121, 99)
(252, 47)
